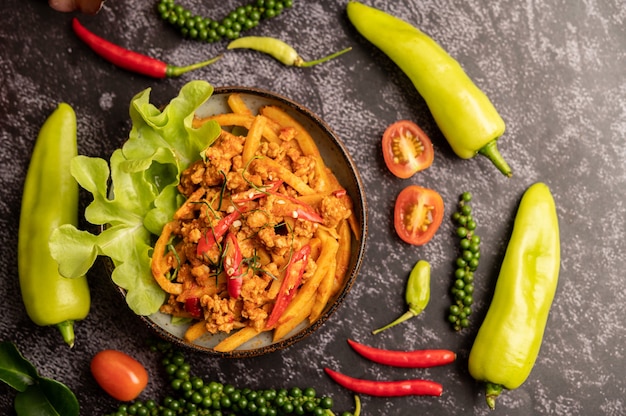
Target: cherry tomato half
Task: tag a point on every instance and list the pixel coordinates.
(417, 214)
(120, 375)
(406, 149)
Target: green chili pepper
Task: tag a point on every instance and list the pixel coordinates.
(509, 338)
(417, 294)
(466, 117)
(50, 199)
(279, 50)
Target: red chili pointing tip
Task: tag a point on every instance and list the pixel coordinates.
(406, 359)
(413, 387)
(129, 60)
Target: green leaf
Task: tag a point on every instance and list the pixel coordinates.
(46, 398)
(135, 194)
(78, 249)
(15, 370)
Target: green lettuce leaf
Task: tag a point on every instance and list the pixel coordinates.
(135, 194)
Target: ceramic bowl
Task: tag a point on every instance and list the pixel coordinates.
(337, 158)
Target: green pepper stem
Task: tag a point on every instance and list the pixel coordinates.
(404, 317)
(490, 150)
(301, 63)
(67, 332)
(357, 405)
(492, 391)
(176, 71)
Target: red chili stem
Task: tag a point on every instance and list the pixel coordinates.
(412, 387)
(407, 359)
(129, 60)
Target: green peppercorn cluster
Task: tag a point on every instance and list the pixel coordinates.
(230, 27)
(466, 264)
(193, 396)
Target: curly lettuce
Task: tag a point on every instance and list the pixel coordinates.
(135, 194)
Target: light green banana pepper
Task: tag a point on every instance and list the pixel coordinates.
(464, 114)
(50, 199)
(508, 341)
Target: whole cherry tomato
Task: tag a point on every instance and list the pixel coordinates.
(417, 214)
(406, 149)
(120, 375)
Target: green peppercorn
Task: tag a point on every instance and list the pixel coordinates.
(195, 396)
(230, 27)
(463, 289)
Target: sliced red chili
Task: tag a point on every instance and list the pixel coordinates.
(289, 286)
(411, 387)
(407, 359)
(192, 305)
(252, 194)
(232, 265)
(208, 240)
(298, 209)
(339, 193)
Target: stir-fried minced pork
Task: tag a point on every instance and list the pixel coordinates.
(271, 204)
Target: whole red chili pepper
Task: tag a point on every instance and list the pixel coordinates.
(413, 387)
(291, 281)
(406, 359)
(132, 61)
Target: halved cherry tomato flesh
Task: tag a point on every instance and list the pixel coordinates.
(406, 149)
(119, 374)
(417, 214)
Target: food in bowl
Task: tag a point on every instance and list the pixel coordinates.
(136, 195)
(263, 239)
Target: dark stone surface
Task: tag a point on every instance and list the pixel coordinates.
(555, 71)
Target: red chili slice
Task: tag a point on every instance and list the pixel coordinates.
(299, 209)
(232, 265)
(208, 240)
(192, 305)
(289, 286)
(252, 194)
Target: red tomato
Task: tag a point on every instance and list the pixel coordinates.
(406, 149)
(418, 214)
(120, 375)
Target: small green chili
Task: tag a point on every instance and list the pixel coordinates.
(279, 50)
(417, 294)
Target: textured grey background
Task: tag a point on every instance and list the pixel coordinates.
(554, 69)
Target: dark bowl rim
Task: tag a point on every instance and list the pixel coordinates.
(282, 344)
